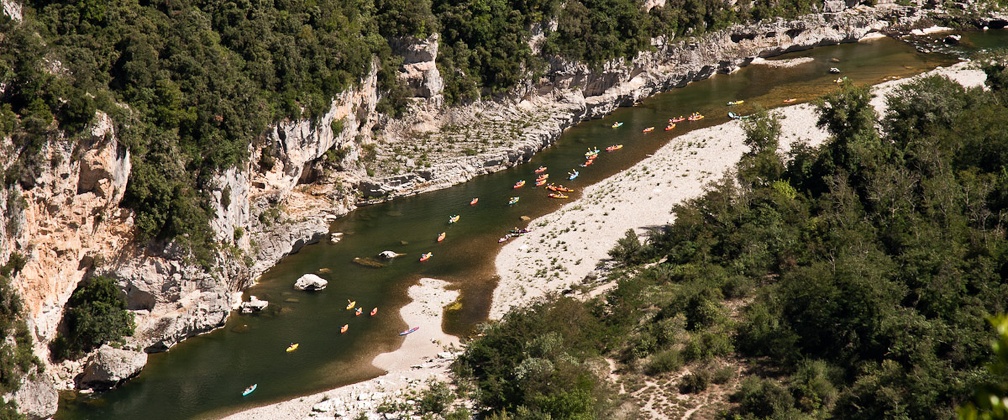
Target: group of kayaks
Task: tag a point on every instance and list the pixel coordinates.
(351, 306)
(696, 116)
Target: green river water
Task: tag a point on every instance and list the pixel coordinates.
(203, 377)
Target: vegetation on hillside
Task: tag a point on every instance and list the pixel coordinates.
(95, 314)
(850, 280)
(192, 83)
(16, 357)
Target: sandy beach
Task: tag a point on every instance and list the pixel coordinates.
(564, 248)
(568, 245)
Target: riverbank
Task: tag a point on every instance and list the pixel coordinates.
(636, 198)
(573, 242)
(423, 356)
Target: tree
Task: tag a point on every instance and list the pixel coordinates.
(96, 314)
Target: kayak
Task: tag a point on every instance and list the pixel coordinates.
(426, 256)
(648, 130)
(358, 311)
(617, 124)
(374, 311)
(572, 174)
(344, 329)
(540, 170)
(614, 147)
(474, 201)
(351, 304)
(513, 201)
(670, 127)
(557, 195)
(453, 219)
(249, 390)
(738, 102)
(292, 347)
(677, 119)
(410, 331)
(519, 184)
(441, 237)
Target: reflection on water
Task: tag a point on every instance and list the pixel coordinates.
(204, 376)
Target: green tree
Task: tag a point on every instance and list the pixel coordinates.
(96, 314)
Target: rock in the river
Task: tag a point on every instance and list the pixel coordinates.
(310, 282)
(110, 367)
(253, 305)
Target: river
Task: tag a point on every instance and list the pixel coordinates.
(203, 376)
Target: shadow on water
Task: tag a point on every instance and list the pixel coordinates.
(204, 376)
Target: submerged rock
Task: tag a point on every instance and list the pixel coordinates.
(310, 282)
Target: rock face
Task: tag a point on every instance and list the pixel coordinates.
(310, 282)
(109, 367)
(419, 69)
(37, 398)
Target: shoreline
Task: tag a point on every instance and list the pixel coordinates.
(678, 171)
(643, 196)
(424, 355)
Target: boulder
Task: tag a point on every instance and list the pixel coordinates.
(37, 398)
(310, 282)
(253, 305)
(110, 367)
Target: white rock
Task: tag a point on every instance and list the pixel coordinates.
(310, 282)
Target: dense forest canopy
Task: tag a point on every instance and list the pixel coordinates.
(191, 83)
(849, 280)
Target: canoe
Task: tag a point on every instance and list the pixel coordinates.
(410, 331)
(696, 116)
(351, 304)
(454, 218)
(617, 124)
(588, 163)
(738, 102)
(292, 347)
(358, 311)
(425, 257)
(557, 195)
(441, 237)
(513, 201)
(670, 127)
(789, 100)
(474, 201)
(540, 170)
(614, 147)
(542, 177)
(590, 153)
(677, 119)
(572, 174)
(559, 188)
(374, 311)
(344, 329)
(647, 130)
(249, 390)
(540, 182)
(519, 184)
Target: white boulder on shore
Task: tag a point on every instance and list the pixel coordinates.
(254, 304)
(310, 282)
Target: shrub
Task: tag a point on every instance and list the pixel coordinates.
(96, 314)
(695, 382)
(666, 361)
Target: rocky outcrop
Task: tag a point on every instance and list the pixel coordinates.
(419, 69)
(109, 367)
(310, 282)
(37, 397)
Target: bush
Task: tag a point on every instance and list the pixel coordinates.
(663, 362)
(695, 382)
(96, 314)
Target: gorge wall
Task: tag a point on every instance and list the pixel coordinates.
(68, 223)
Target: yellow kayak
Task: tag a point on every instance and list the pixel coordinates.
(351, 304)
(292, 347)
